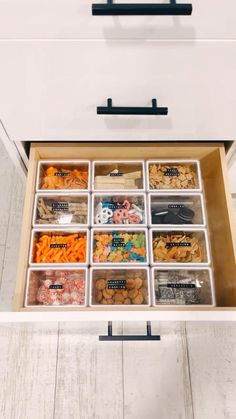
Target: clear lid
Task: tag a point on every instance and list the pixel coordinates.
(119, 246)
(56, 247)
(176, 209)
(178, 246)
(173, 175)
(63, 175)
(182, 287)
(61, 209)
(119, 286)
(120, 209)
(118, 175)
(56, 287)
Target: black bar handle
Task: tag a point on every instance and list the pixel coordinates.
(110, 8)
(111, 338)
(131, 110)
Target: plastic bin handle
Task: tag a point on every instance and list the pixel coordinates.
(111, 338)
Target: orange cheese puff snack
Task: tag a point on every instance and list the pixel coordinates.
(56, 248)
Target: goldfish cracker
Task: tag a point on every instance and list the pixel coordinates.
(68, 179)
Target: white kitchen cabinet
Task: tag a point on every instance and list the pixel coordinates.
(50, 90)
(73, 19)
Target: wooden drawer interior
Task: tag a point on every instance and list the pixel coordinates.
(218, 203)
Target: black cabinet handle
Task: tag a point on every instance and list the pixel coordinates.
(131, 110)
(171, 8)
(111, 338)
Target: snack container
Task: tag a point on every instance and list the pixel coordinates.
(179, 246)
(63, 175)
(118, 175)
(70, 210)
(182, 287)
(53, 287)
(116, 246)
(173, 175)
(176, 209)
(119, 287)
(59, 247)
(120, 210)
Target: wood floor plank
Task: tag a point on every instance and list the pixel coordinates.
(89, 374)
(156, 375)
(212, 359)
(27, 370)
(9, 270)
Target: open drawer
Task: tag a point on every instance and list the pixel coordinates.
(220, 224)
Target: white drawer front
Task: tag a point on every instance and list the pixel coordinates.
(73, 19)
(50, 90)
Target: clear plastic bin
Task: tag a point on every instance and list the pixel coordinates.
(185, 287)
(61, 247)
(118, 175)
(115, 246)
(56, 287)
(63, 175)
(58, 210)
(119, 287)
(179, 246)
(172, 175)
(176, 209)
(119, 209)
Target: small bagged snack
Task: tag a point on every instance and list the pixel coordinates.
(59, 246)
(119, 286)
(179, 246)
(173, 175)
(63, 175)
(119, 246)
(56, 287)
(182, 286)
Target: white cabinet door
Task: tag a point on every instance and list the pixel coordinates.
(73, 19)
(50, 90)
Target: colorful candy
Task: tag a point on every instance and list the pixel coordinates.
(56, 288)
(118, 213)
(119, 247)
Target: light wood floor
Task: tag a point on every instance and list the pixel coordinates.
(62, 371)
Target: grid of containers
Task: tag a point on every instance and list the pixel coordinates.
(119, 233)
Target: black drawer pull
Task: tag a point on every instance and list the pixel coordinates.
(131, 110)
(111, 338)
(110, 8)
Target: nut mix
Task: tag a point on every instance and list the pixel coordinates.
(172, 176)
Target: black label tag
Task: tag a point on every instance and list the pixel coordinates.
(60, 206)
(116, 174)
(176, 206)
(61, 174)
(57, 245)
(56, 287)
(176, 285)
(180, 244)
(119, 284)
(114, 206)
(173, 171)
(118, 242)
